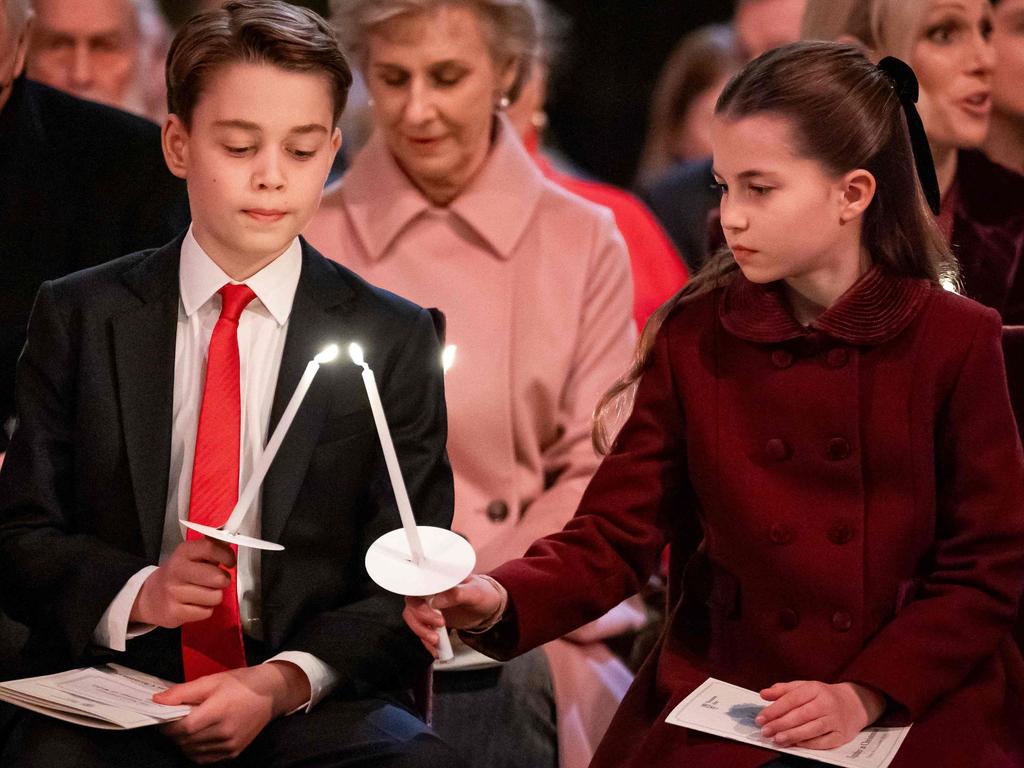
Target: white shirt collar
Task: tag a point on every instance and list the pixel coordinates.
(274, 285)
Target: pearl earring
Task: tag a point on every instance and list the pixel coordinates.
(504, 102)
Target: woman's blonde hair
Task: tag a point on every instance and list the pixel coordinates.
(512, 27)
(885, 27)
(845, 113)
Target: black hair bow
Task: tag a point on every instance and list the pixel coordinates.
(907, 89)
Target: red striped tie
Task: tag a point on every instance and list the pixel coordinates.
(215, 644)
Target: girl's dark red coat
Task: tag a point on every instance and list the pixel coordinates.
(844, 502)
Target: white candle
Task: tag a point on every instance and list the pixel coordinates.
(390, 457)
(252, 487)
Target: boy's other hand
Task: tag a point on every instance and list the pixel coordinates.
(817, 715)
(464, 606)
(229, 709)
(187, 587)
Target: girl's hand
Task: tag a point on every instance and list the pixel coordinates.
(464, 606)
(817, 715)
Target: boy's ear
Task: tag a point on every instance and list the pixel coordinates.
(22, 46)
(858, 190)
(174, 139)
(336, 140)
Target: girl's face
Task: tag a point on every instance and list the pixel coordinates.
(781, 213)
(1008, 40)
(953, 57)
(434, 85)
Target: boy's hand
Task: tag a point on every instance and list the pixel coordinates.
(817, 715)
(230, 709)
(187, 587)
(464, 606)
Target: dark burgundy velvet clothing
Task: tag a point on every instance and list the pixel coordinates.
(988, 233)
(844, 502)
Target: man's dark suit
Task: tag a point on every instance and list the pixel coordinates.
(80, 184)
(83, 490)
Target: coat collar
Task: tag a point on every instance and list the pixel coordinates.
(497, 205)
(875, 309)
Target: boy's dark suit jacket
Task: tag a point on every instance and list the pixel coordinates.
(80, 184)
(84, 487)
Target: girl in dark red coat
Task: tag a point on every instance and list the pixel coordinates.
(824, 436)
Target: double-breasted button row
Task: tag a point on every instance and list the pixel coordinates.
(780, 533)
(789, 619)
(842, 621)
(497, 511)
(836, 449)
(837, 357)
(778, 449)
(840, 534)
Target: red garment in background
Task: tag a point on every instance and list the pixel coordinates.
(658, 270)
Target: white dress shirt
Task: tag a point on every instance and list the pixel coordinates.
(262, 329)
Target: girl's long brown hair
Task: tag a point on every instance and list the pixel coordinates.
(845, 113)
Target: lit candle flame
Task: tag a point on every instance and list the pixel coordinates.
(448, 357)
(327, 355)
(356, 353)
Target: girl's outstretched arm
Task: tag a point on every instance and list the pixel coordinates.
(613, 543)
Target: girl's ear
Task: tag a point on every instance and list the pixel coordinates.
(857, 191)
(174, 139)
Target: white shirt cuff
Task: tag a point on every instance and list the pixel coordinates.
(322, 677)
(113, 630)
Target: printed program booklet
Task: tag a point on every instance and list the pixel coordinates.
(110, 696)
(727, 710)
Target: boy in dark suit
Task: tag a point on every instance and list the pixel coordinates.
(146, 390)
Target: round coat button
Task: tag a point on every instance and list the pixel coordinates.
(841, 621)
(789, 619)
(782, 358)
(497, 511)
(838, 449)
(837, 358)
(777, 449)
(781, 533)
(840, 533)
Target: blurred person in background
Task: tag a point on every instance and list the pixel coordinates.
(950, 47)
(446, 207)
(1005, 142)
(599, 96)
(110, 51)
(682, 197)
(684, 99)
(658, 270)
(86, 184)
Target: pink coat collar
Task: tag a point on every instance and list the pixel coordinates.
(497, 205)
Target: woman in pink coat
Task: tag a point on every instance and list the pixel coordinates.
(825, 436)
(445, 207)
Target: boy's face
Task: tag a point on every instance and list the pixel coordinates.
(255, 160)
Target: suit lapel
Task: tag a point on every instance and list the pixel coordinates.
(144, 338)
(320, 297)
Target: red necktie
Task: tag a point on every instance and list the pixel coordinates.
(215, 644)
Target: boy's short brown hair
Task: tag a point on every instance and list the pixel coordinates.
(253, 32)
